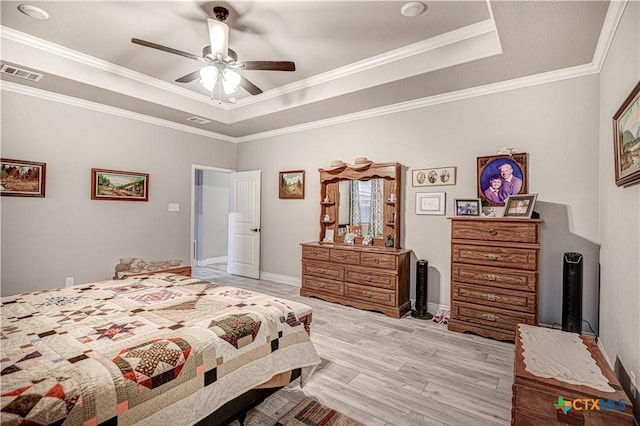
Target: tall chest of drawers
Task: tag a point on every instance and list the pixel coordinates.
(494, 275)
(372, 278)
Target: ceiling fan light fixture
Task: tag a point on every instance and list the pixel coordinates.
(412, 8)
(218, 37)
(230, 81)
(208, 77)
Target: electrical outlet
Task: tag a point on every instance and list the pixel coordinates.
(632, 378)
(68, 282)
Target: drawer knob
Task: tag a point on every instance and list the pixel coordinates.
(492, 256)
(367, 277)
(367, 294)
(322, 285)
(343, 256)
(490, 317)
(492, 297)
(322, 271)
(491, 277)
(493, 232)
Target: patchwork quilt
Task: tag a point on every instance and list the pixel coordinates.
(122, 352)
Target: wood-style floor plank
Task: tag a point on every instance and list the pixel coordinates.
(384, 371)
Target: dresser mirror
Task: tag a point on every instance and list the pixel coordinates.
(364, 202)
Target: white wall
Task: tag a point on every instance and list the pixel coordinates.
(557, 124)
(67, 234)
(619, 207)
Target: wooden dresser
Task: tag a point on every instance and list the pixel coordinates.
(494, 275)
(373, 278)
(535, 398)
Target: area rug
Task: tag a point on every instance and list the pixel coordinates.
(310, 412)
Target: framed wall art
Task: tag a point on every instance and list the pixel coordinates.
(291, 184)
(500, 176)
(434, 177)
(430, 203)
(626, 140)
(467, 206)
(119, 186)
(22, 178)
(520, 205)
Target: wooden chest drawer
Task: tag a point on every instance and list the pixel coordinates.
(510, 257)
(491, 316)
(370, 294)
(316, 253)
(319, 284)
(507, 231)
(345, 256)
(493, 296)
(377, 260)
(495, 277)
(323, 270)
(373, 278)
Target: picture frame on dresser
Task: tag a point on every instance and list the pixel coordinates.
(467, 206)
(520, 205)
(626, 140)
(500, 176)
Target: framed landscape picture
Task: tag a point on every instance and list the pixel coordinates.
(626, 140)
(291, 184)
(22, 178)
(119, 186)
(500, 176)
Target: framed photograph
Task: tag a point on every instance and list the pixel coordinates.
(520, 205)
(467, 206)
(430, 203)
(119, 186)
(434, 177)
(22, 178)
(626, 140)
(291, 184)
(500, 176)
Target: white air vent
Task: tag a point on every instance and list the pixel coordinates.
(18, 72)
(198, 120)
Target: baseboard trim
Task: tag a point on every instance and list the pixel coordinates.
(212, 260)
(283, 279)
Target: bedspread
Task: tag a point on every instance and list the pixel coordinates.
(117, 352)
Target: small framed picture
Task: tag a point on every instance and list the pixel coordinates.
(22, 178)
(291, 185)
(430, 203)
(119, 186)
(467, 206)
(520, 205)
(626, 134)
(434, 177)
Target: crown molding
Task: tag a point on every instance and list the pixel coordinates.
(611, 22)
(94, 106)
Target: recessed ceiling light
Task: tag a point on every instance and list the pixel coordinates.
(33, 11)
(413, 8)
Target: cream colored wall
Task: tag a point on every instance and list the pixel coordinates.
(619, 207)
(45, 240)
(556, 123)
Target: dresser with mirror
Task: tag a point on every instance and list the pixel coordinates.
(357, 260)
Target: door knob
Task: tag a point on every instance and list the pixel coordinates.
(255, 229)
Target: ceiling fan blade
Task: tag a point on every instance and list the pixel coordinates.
(267, 65)
(167, 49)
(249, 86)
(189, 77)
(218, 36)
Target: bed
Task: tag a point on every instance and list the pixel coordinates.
(161, 349)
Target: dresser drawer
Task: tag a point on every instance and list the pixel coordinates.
(493, 296)
(378, 260)
(497, 256)
(490, 316)
(326, 286)
(495, 277)
(370, 294)
(345, 256)
(512, 232)
(323, 270)
(316, 253)
(368, 277)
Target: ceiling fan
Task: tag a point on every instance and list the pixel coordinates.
(221, 61)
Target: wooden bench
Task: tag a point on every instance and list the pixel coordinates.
(535, 398)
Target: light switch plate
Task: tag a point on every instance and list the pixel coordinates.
(174, 207)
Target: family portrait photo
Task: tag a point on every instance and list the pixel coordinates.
(501, 176)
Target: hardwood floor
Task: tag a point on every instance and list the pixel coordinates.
(385, 371)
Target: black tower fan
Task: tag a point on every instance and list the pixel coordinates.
(420, 311)
(572, 293)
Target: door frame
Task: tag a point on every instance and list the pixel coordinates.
(194, 167)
